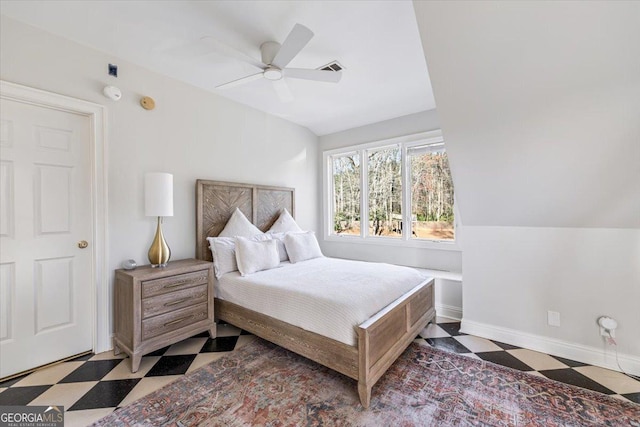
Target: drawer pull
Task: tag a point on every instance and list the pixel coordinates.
(182, 282)
(173, 285)
(182, 319)
(176, 302)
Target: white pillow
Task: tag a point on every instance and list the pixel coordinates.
(223, 250)
(302, 246)
(256, 256)
(285, 224)
(239, 225)
(282, 251)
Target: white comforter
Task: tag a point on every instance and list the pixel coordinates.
(327, 296)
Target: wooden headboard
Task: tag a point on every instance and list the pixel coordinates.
(216, 201)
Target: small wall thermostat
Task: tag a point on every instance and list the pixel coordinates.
(148, 103)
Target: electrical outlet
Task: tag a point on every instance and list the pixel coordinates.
(553, 318)
(607, 332)
(608, 326)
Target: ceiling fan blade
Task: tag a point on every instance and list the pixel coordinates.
(318, 75)
(282, 90)
(219, 47)
(295, 41)
(241, 81)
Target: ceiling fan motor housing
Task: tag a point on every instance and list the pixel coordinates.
(269, 50)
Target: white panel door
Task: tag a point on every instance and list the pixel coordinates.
(46, 281)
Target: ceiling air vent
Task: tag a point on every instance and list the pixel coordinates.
(332, 66)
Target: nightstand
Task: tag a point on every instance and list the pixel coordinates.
(157, 307)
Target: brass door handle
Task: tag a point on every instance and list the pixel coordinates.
(82, 244)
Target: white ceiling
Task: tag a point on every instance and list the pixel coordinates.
(376, 41)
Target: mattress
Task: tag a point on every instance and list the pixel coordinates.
(327, 296)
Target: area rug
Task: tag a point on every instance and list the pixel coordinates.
(262, 384)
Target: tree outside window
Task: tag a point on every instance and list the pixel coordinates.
(346, 194)
(384, 169)
(404, 191)
(431, 193)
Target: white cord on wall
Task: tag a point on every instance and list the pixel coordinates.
(613, 342)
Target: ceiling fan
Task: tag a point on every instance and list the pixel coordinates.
(274, 60)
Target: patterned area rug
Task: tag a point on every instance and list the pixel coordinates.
(262, 384)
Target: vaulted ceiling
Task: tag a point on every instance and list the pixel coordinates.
(539, 103)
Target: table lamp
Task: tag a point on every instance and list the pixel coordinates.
(158, 201)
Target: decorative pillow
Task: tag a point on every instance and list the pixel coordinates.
(255, 256)
(302, 246)
(239, 225)
(223, 250)
(282, 251)
(285, 224)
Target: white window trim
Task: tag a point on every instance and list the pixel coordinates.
(405, 142)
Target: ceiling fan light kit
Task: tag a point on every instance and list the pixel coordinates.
(272, 73)
(275, 58)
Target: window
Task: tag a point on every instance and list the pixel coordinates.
(401, 187)
(346, 194)
(431, 193)
(384, 169)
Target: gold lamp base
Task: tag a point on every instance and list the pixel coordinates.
(159, 252)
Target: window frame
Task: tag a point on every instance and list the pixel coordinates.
(404, 142)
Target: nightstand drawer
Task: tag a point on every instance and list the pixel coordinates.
(173, 320)
(174, 300)
(174, 283)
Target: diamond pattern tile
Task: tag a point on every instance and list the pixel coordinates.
(220, 344)
(570, 376)
(105, 394)
(171, 365)
(505, 359)
(21, 395)
(452, 328)
(569, 362)
(91, 386)
(448, 344)
(91, 371)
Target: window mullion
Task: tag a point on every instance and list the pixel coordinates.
(364, 194)
(406, 195)
(331, 196)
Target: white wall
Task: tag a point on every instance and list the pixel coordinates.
(539, 105)
(191, 133)
(514, 275)
(415, 257)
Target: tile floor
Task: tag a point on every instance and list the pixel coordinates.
(92, 386)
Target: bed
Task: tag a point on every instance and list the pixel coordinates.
(378, 341)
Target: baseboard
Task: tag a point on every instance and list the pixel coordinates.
(605, 358)
(449, 311)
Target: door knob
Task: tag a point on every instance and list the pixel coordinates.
(83, 244)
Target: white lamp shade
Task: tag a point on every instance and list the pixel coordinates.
(158, 194)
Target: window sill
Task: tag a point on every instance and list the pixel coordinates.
(386, 241)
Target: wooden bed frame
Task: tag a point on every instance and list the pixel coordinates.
(381, 339)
